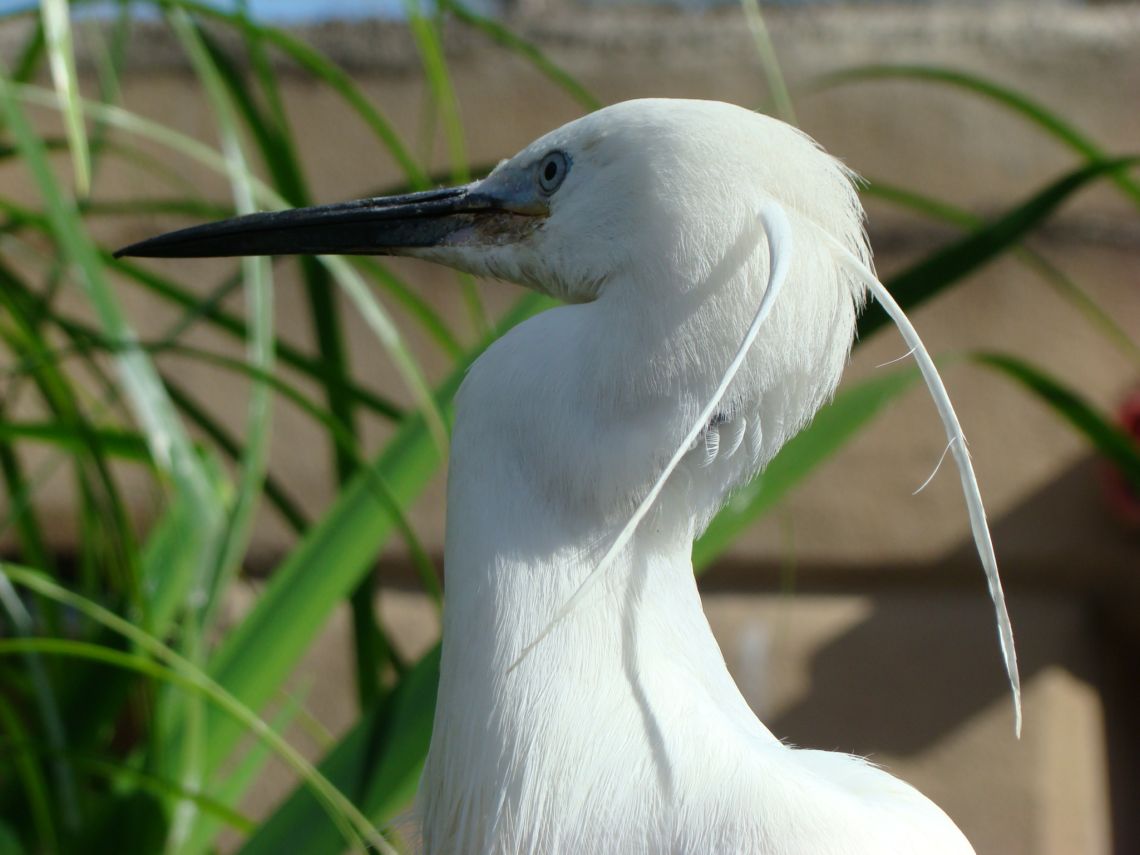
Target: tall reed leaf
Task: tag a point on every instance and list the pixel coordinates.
(529, 51)
(1069, 290)
(61, 58)
(1111, 441)
(257, 657)
(378, 762)
(374, 314)
(177, 669)
(1007, 97)
(935, 272)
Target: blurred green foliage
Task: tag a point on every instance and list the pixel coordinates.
(123, 726)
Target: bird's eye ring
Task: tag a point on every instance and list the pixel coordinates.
(552, 171)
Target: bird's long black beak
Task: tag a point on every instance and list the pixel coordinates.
(383, 225)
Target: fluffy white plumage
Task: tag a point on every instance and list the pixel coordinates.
(713, 261)
(622, 731)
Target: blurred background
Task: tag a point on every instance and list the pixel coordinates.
(221, 511)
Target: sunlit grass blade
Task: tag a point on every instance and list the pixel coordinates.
(429, 319)
(426, 35)
(346, 276)
(382, 326)
(253, 463)
(378, 762)
(335, 554)
(777, 88)
(278, 153)
(101, 504)
(1064, 286)
(234, 326)
(61, 59)
(175, 668)
(278, 497)
(511, 40)
(1009, 98)
(162, 673)
(327, 72)
(241, 777)
(942, 268)
(259, 309)
(170, 447)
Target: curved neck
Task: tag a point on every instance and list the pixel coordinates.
(545, 469)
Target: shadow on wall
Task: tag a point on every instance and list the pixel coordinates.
(942, 667)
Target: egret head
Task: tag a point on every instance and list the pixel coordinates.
(650, 186)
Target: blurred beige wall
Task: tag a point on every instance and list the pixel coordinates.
(874, 564)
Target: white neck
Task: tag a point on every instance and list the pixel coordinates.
(622, 731)
(534, 499)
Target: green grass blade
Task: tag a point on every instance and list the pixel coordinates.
(238, 781)
(942, 268)
(170, 447)
(278, 497)
(834, 425)
(378, 762)
(1110, 440)
(32, 53)
(426, 35)
(167, 555)
(1064, 286)
(277, 151)
(275, 493)
(121, 444)
(372, 312)
(25, 767)
(173, 676)
(175, 668)
(388, 334)
(336, 553)
(234, 326)
(777, 88)
(209, 311)
(512, 41)
(61, 60)
(122, 777)
(259, 308)
(253, 462)
(429, 319)
(29, 531)
(1011, 99)
(345, 275)
(46, 704)
(320, 67)
(99, 494)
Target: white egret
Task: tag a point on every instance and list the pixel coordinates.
(600, 718)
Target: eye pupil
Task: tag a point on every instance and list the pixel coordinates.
(551, 172)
